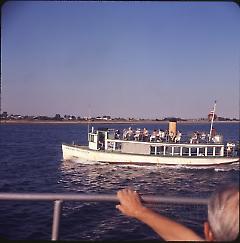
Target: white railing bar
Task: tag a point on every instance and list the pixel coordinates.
(97, 198)
(58, 198)
(56, 219)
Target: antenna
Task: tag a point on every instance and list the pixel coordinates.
(88, 118)
(213, 114)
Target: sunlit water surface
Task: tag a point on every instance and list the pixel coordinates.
(31, 161)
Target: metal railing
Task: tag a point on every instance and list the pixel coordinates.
(58, 199)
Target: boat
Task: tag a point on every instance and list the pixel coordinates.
(168, 147)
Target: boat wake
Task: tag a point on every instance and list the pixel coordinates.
(233, 166)
(228, 167)
(217, 168)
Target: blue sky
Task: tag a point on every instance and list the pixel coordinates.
(123, 59)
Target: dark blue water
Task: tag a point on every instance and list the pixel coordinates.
(31, 161)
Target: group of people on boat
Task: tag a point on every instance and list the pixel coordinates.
(202, 137)
(198, 137)
(144, 135)
(159, 135)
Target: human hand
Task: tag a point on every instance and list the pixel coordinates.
(130, 203)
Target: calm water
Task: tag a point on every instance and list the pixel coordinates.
(31, 161)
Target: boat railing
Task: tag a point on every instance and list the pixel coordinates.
(184, 143)
(173, 149)
(59, 198)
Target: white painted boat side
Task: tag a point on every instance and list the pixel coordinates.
(83, 153)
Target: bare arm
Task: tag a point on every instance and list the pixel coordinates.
(130, 205)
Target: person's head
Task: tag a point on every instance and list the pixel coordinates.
(223, 215)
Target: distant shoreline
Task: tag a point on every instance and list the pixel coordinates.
(108, 122)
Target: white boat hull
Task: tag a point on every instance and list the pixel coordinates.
(83, 154)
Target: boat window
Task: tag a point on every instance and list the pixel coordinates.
(218, 151)
(176, 150)
(201, 151)
(111, 135)
(91, 138)
(110, 145)
(101, 137)
(194, 151)
(152, 149)
(209, 151)
(118, 146)
(160, 149)
(168, 150)
(185, 151)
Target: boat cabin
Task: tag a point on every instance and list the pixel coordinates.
(96, 138)
(107, 140)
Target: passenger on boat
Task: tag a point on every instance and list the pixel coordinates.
(222, 224)
(141, 135)
(137, 134)
(194, 138)
(145, 134)
(117, 134)
(161, 135)
(230, 149)
(157, 136)
(101, 145)
(203, 136)
(214, 132)
(212, 135)
(167, 136)
(130, 134)
(178, 137)
(124, 134)
(153, 137)
(171, 136)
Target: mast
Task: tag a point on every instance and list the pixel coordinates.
(88, 118)
(213, 114)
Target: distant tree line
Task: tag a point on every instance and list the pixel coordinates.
(58, 117)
